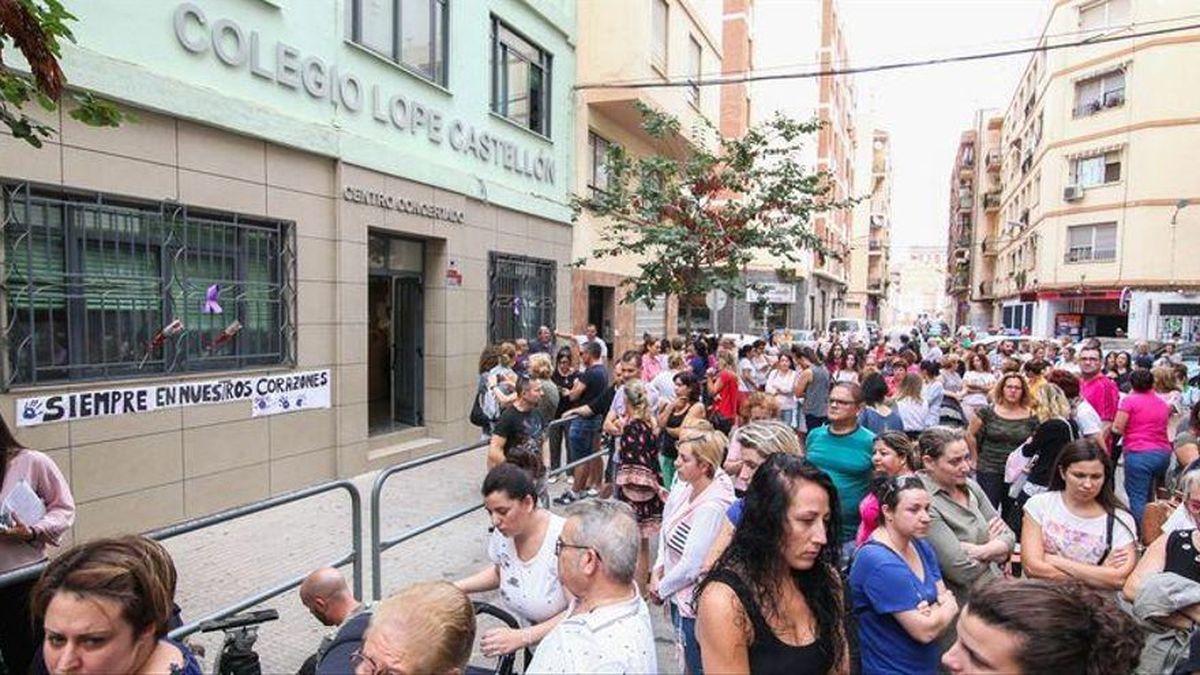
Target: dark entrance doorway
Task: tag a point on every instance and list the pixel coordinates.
(396, 334)
(600, 312)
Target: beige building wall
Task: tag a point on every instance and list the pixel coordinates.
(618, 45)
(135, 472)
(920, 283)
(1151, 127)
(870, 245)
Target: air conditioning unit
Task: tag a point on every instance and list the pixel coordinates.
(1072, 193)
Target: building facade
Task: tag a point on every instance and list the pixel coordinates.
(919, 284)
(1098, 211)
(973, 227)
(662, 40)
(870, 247)
(321, 210)
(784, 33)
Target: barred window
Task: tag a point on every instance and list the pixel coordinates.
(521, 296)
(91, 284)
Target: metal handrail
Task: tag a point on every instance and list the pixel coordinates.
(186, 527)
(379, 545)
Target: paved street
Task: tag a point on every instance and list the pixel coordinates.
(225, 563)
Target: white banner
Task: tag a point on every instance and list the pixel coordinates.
(267, 395)
(774, 293)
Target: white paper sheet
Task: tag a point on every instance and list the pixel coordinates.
(25, 504)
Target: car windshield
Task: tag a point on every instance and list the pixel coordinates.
(843, 326)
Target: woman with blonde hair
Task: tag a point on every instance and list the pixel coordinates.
(692, 519)
(1166, 385)
(997, 430)
(1055, 430)
(911, 405)
(638, 478)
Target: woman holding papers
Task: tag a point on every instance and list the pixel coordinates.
(36, 508)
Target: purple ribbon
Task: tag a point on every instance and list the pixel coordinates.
(211, 306)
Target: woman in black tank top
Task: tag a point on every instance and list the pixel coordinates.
(773, 600)
(1178, 551)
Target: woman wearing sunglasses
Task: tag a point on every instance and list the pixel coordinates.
(896, 588)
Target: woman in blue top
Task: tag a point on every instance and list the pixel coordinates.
(896, 589)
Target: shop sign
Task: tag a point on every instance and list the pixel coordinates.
(288, 67)
(402, 204)
(773, 293)
(267, 395)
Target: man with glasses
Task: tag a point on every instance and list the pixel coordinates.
(843, 449)
(1097, 389)
(607, 627)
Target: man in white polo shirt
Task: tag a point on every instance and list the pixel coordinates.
(607, 628)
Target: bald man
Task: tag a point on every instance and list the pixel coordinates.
(328, 597)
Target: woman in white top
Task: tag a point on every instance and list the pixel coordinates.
(911, 405)
(1079, 529)
(781, 384)
(932, 392)
(692, 519)
(523, 565)
(746, 370)
(977, 382)
(851, 369)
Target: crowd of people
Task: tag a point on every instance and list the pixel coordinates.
(834, 505)
(930, 505)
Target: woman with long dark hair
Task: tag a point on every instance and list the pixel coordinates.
(772, 602)
(24, 543)
(1079, 529)
(684, 408)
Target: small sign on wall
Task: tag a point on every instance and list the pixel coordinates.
(267, 394)
(454, 277)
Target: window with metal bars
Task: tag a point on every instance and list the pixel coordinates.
(521, 296)
(91, 284)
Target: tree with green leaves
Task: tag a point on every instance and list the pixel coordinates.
(697, 222)
(36, 29)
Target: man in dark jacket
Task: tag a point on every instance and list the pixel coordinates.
(328, 597)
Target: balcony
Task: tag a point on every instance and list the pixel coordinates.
(993, 160)
(991, 200)
(878, 220)
(875, 245)
(988, 246)
(966, 200)
(986, 290)
(875, 286)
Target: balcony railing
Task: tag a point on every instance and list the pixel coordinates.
(993, 160)
(986, 289)
(874, 245)
(988, 246)
(991, 200)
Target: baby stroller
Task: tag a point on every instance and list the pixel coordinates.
(505, 664)
(951, 414)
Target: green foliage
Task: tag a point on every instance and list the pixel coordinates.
(36, 29)
(697, 221)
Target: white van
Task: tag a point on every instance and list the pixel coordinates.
(852, 330)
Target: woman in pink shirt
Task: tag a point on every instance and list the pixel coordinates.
(1142, 419)
(21, 471)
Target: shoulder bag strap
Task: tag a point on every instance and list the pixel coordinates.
(1108, 531)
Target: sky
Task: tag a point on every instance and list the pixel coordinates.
(925, 109)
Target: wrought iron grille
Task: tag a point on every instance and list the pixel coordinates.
(91, 282)
(520, 296)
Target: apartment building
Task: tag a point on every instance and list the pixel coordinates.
(870, 248)
(660, 40)
(284, 270)
(1100, 209)
(795, 35)
(919, 284)
(973, 228)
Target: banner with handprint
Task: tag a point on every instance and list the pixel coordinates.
(267, 394)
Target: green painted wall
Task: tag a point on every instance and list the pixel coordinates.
(130, 50)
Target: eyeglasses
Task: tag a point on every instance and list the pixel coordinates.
(358, 658)
(559, 545)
